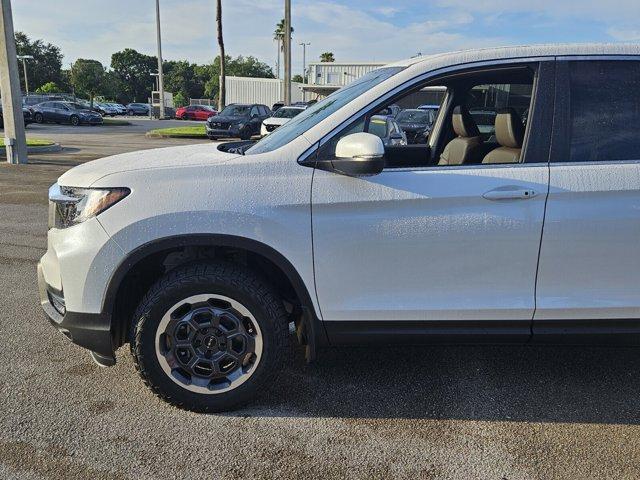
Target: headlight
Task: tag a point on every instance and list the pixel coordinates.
(69, 205)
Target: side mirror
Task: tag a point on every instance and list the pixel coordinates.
(359, 154)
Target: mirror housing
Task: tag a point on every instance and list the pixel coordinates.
(359, 154)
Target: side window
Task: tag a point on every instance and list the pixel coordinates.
(254, 111)
(603, 111)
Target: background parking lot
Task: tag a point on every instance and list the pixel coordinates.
(436, 412)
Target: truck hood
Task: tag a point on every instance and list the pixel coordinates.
(88, 173)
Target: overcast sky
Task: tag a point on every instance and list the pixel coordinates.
(354, 30)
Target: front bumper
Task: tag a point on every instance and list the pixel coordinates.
(89, 330)
(232, 131)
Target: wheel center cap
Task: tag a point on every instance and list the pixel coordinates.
(210, 341)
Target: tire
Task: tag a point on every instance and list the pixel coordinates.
(130, 113)
(38, 117)
(245, 135)
(75, 120)
(209, 288)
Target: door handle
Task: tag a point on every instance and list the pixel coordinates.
(509, 193)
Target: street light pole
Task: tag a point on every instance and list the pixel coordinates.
(24, 59)
(304, 61)
(14, 138)
(287, 52)
(160, 74)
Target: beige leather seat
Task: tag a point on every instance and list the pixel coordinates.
(466, 147)
(509, 134)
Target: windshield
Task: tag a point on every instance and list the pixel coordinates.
(235, 110)
(285, 112)
(414, 116)
(321, 110)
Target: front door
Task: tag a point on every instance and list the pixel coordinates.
(437, 245)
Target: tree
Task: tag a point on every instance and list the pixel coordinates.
(278, 36)
(87, 77)
(134, 71)
(112, 88)
(181, 78)
(49, 87)
(297, 78)
(179, 100)
(239, 67)
(223, 78)
(327, 57)
(46, 65)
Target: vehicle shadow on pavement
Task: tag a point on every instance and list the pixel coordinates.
(504, 383)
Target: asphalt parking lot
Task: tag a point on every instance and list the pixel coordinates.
(463, 412)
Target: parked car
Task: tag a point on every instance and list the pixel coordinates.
(416, 124)
(105, 109)
(195, 112)
(26, 115)
(280, 117)
(276, 106)
(241, 120)
(137, 109)
(206, 260)
(388, 130)
(120, 109)
(65, 112)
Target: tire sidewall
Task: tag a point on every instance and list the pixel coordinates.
(75, 121)
(146, 336)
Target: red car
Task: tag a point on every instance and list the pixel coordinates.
(195, 112)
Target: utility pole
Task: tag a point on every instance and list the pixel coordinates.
(14, 138)
(160, 75)
(222, 91)
(304, 61)
(24, 59)
(287, 52)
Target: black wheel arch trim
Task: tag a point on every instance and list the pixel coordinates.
(215, 240)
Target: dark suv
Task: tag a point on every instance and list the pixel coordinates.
(237, 120)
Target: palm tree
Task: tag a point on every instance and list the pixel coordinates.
(278, 36)
(327, 57)
(222, 93)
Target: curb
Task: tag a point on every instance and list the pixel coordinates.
(56, 147)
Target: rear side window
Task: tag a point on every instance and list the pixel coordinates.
(604, 111)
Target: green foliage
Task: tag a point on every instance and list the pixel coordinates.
(49, 87)
(46, 65)
(181, 79)
(113, 88)
(179, 100)
(196, 131)
(327, 57)
(130, 76)
(87, 77)
(134, 69)
(297, 78)
(278, 34)
(236, 67)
